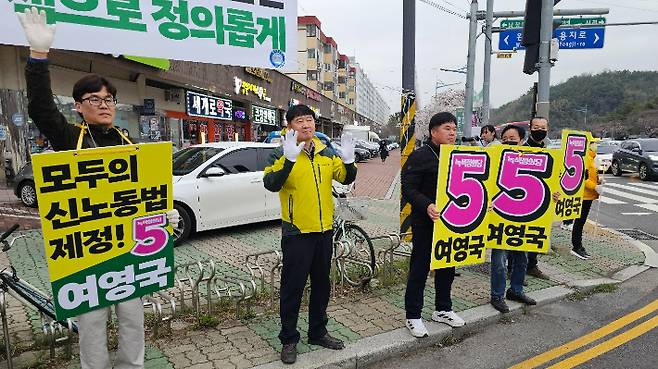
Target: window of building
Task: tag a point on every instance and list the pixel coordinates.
(311, 30)
(312, 75)
(350, 101)
(327, 48)
(342, 64)
(312, 53)
(328, 86)
(341, 95)
(342, 80)
(327, 66)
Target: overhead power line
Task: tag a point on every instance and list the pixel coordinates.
(443, 8)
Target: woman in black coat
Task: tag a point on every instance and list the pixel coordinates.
(383, 150)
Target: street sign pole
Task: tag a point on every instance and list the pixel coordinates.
(408, 110)
(486, 85)
(546, 33)
(470, 65)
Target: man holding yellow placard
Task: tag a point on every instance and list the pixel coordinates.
(95, 102)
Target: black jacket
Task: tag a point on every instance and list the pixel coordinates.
(52, 124)
(419, 177)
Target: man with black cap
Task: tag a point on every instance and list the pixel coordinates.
(419, 181)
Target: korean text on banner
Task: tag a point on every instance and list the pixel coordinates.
(572, 174)
(104, 225)
(258, 33)
(461, 199)
(521, 206)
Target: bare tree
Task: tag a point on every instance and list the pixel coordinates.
(448, 101)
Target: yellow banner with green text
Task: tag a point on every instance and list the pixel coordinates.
(103, 216)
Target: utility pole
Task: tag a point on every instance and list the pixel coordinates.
(408, 111)
(486, 86)
(545, 36)
(470, 67)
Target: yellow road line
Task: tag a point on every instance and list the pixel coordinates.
(588, 338)
(608, 345)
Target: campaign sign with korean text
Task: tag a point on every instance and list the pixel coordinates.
(461, 199)
(258, 33)
(521, 199)
(572, 174)
(104, 226)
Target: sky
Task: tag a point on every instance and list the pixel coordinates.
(372, 31)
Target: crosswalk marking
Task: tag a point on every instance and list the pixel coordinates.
(609, 200)
(645, 185)
(640, 199)
(633, 188)
(652, 207)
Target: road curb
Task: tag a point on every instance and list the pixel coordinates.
(391, 188)
(370, 350)
(650, 256)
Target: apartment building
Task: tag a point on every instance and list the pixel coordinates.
(369, 102)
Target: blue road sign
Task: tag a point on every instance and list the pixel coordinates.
(569, 38)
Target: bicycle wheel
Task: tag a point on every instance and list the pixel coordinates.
(358, 267)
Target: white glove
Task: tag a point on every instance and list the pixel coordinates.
(39, 34)
(599, 189)
(291, 148)
(173, 217)
(348, 144)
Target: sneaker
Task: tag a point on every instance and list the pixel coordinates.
(417, 328)
(448, 317)
(586, 253)
(580, 253)
(522, 298)
(289, 353)
(535, 272)
(499, 304)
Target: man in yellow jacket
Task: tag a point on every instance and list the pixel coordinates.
(301, 171)
(591, 193)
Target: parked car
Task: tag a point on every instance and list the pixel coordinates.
(220, 184)
(603, 160)
(367, 146)
(359, 153)
(637, 156)
(24, 187)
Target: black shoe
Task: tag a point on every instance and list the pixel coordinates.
(535, 272)
(580, 253)
(499, 304)
(327, 342)
(289, 353)
(587, 253)
(522, 298)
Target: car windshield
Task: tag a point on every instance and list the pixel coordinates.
(606, 149)
(651, 146)
(187, 160)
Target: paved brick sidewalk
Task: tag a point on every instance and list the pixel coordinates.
(14, 212)
(375, 178)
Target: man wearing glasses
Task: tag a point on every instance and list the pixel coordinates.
(95, 102)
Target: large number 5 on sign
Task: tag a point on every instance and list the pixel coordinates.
(150, 235)
(574, 165)
(525, 196)
(467, 192)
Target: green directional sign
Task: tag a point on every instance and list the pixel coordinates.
(579, 21)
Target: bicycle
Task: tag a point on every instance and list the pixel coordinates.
(355, 260)
(29, 296)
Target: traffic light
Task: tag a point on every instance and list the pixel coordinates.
(531, 34)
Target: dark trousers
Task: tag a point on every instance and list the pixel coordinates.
(577, 234)
(419, 266)
(304, 255)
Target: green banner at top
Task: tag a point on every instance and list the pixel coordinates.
(577, 21)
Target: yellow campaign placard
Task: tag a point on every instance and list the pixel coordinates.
(103, 216)
(462, 196)
(572, 174)
(522, 198)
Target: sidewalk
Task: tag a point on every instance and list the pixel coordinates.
(366, 320)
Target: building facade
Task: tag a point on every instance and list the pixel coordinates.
(369, 102)
(186, 103)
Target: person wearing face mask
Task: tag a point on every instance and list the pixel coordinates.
(538, 133)
(511, 135)
(592, 190)
(419, 182)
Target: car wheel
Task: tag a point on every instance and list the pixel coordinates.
(616, 171)
(358, 158)
(644, 172)
(182, 232)
(28, 194)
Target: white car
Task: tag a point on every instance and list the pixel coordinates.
(218, 185)
(603, 159)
